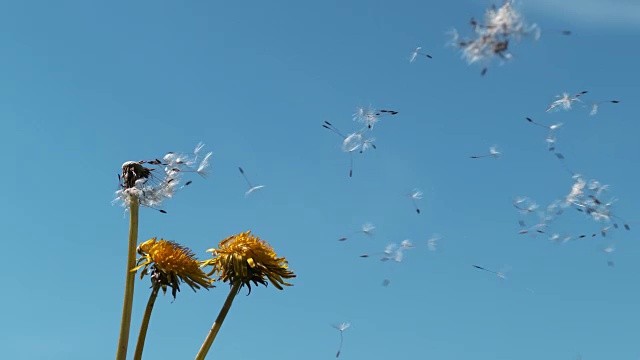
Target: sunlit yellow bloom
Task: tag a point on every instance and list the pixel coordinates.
(246, 258)
(169, 263)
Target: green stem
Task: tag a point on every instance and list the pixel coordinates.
(137, 355)
(125, 324)
(204, 349)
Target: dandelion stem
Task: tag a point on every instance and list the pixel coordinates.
(145, 322)
(204, 349)
(125, 324)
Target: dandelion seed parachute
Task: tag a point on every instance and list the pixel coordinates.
(352, 142)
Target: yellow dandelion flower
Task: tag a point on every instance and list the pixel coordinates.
(246, 258)
(168, 264)
(239, 260)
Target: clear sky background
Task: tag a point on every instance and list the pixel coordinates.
(88, 85)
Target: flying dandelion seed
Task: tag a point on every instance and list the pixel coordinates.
(493, 152)
(391, 252)
(587, 197)
(432, 243)
(596, 105)
(415, 195)
(551, 127)
(406, 244)
(525, 205)
(561, 158)
(251, 187)
(533, 230)
(502, 26)
(537, 32)
(502, 274)
(551, 139)
(341, 327)
(353, 141)
(368, 143)
(560, 32)
(395, 253)
(350, 143)
(369, 116)
(417, 53)
(366, 229)
(565, 100)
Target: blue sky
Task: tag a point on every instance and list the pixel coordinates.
(90, 85)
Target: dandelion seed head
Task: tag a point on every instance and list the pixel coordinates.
(154, 181)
